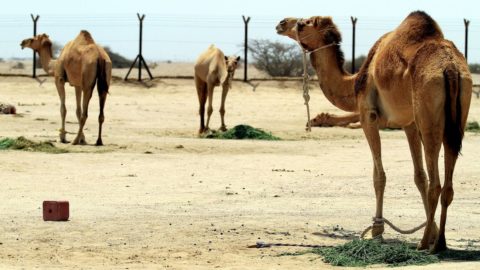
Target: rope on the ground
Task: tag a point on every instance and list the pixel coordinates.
(261, 244)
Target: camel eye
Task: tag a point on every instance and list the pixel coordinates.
(308, 22)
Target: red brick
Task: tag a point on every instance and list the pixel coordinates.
(55, 210)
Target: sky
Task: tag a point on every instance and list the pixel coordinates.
(180, 30)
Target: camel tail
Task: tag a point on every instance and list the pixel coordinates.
(102, 83)
(454, 130)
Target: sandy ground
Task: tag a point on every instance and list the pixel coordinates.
(158, 197)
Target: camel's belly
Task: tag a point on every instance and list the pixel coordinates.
(396, 107)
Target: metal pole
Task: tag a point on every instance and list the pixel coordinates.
(245, 55)
(34, 19)
(466, 22)
(354, 22)
(140, 46)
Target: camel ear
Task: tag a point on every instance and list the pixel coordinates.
(238, 58)
(226, 58)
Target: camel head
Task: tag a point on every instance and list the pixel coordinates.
(37, 43)
(286, 27)
(317, 31)
(232, 63)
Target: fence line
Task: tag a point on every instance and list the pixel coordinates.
(195, 25)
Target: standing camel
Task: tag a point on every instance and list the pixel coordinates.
(83, 64)
(213, 68)
(412, 78)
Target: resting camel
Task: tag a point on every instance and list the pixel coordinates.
(83, 64)
(413, 78)
(213, 68)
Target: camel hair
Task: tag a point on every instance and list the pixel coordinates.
(82, 64)
(213, 68)
(413, 78)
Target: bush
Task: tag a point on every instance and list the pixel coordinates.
(474, 68)
(277, 59)
(118, 61)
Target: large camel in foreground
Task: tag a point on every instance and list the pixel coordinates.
(412, 78)
(83, 64)
(213, 68)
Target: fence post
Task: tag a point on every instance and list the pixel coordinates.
(34, 19)
(140, 56)
(245, 21)
(354, 23)
(466, 22)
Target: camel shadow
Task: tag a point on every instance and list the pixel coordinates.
(459, 255)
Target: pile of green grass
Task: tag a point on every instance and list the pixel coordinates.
(241, 132)
(21, 143)
(472, 126)
(361, 253)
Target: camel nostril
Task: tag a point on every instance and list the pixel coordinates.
(283, 22)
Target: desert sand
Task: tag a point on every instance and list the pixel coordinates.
(158, 197)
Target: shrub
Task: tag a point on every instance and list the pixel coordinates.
(118, 61)
(277, 59)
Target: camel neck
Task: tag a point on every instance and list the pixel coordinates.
(336, 84)
(46, 60)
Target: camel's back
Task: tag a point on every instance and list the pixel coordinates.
(211, 62)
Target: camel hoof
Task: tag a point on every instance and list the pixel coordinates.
(423, 245)
(223, 128)
(377, 230)
(440, 245)
(63, 140)
(99, 142)
(79, 141)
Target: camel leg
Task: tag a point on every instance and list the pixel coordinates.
(210, 87)
(60, 84)
(222, 108)
(202, 98)
(101, 118)
(447, 197)
(80, 139)
(370, 128)
(420, 177)
(78, 97)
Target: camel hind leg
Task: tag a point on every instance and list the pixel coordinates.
(101, 118)
(210, 87)
(202, 99)
(88, 83)
(223, 127)
(60, 84)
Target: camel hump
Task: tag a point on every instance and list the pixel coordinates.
(86, 37)
(419, 26)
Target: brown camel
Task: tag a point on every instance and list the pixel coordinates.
(413, 78)
(83, 64)
(213, 68)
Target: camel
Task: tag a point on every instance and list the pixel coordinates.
(413, 78)
(350, 120)
(213, 68)
(83, 64)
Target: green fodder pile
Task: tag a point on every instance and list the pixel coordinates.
(241, 132)
(21, 143)
(472, 126)
(361, 253)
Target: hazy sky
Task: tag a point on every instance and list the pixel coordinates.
(180, 30)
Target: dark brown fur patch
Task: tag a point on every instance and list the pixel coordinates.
(332, 36)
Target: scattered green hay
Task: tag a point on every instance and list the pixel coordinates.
(241, 132)
(472, 126)
(21, 143)
(360, 253)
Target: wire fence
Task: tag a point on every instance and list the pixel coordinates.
(171, 43)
